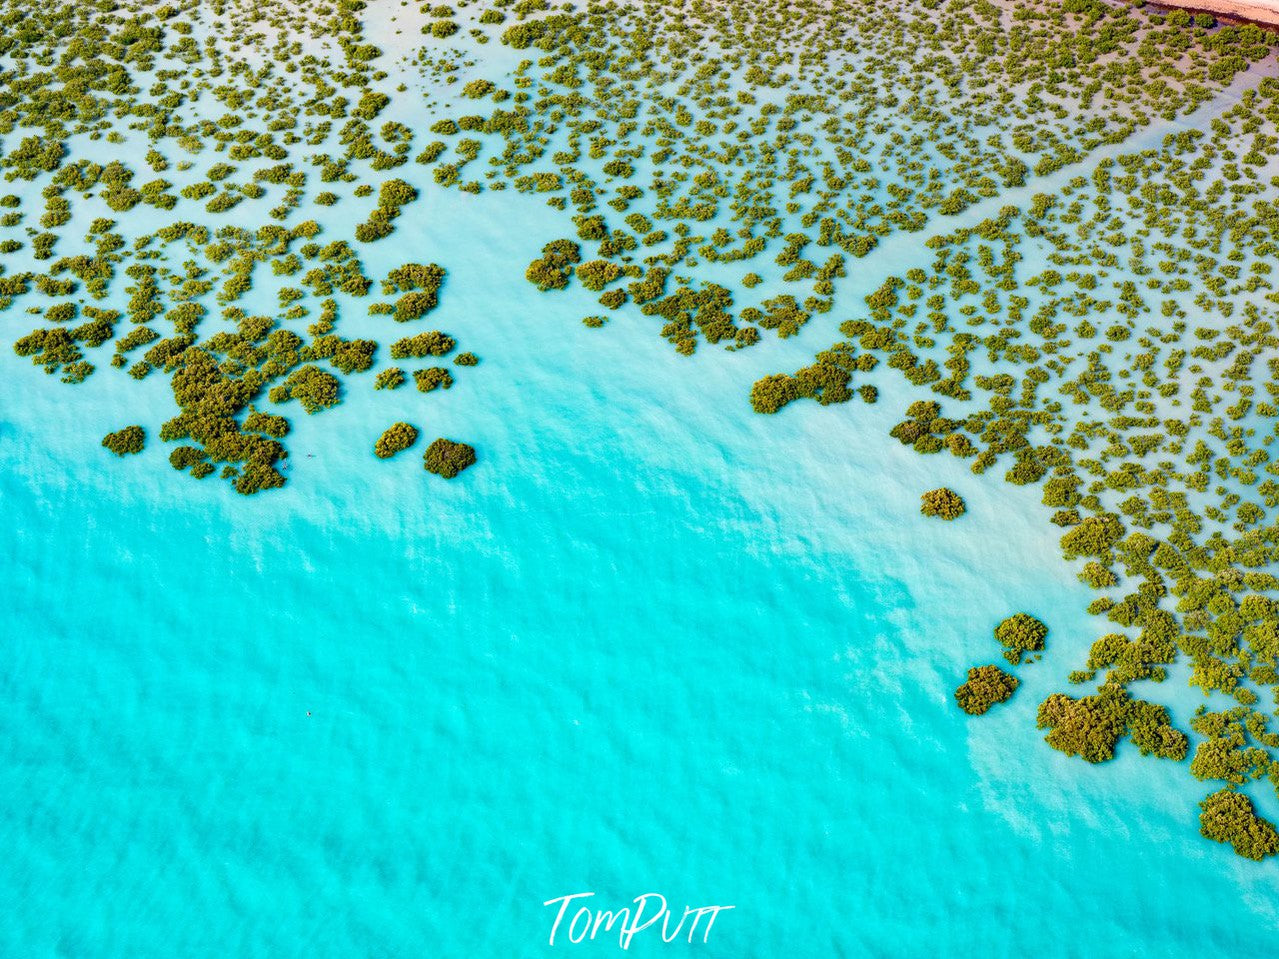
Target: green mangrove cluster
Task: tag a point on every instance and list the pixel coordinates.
(118, 115)
(396, 438)
(942, 503)
(448, 458)
(985, 686)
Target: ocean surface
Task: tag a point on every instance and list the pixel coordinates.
(652, 642)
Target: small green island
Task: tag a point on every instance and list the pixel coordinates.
(942, 503)
(126, 441)
(448, 458)
(985, 686)
(396, 438)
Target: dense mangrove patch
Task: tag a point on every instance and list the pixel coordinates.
(123, 442)
(942, 503)
(448, 458)
(986, 686)
(396, 438)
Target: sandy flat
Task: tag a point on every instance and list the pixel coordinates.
(1252, 11)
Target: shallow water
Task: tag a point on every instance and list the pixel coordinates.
(652, 642)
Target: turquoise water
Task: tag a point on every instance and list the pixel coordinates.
(652, 642)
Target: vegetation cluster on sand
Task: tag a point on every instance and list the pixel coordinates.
(943, 503)
(123, 442)
(726, 172)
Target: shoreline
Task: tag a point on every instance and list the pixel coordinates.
(1260, 13)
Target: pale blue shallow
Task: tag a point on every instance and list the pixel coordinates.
(651, 642)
